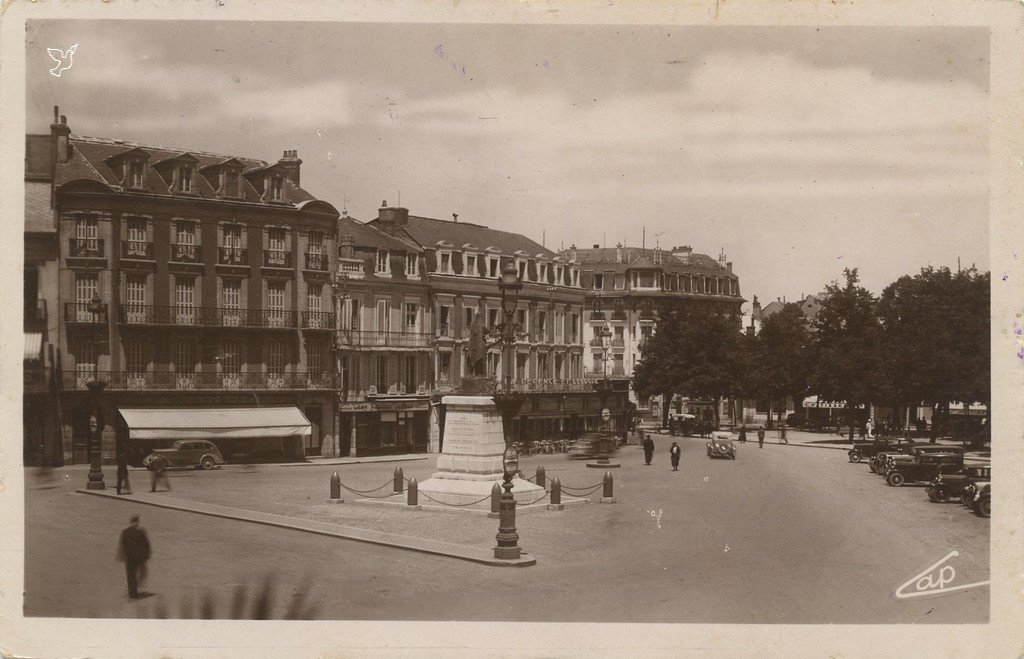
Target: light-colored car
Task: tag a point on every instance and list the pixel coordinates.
(184, 453)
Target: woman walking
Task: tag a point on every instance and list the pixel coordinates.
(674, 453)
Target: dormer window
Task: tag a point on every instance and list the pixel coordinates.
(521, 269)
(229, 180)
(543, 272)
(559, 280)
(574, 273)
(471, 269)
(276, 188)
(383, 264)
(444, 263)
(136, 174)
(412, 265)
(492, 266)
(185, 173)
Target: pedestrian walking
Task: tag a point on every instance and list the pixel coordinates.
(782, 435)
(122, 475)
(133, 549)
(648, 444)
(158, 472)
(674, 453)
(760, 437)
(743, 434)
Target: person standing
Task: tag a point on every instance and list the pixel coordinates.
(122, 475)
(760, 437)
(674, 453)
(133, 549)
(743, 434)
(648, 444)
(870, 427)
(158, 469)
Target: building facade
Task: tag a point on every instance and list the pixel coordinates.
(190, 279)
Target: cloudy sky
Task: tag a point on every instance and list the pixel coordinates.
(798, 151)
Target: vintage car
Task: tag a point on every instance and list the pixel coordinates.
(982, 502)
(884, 462)
(592, 444)
(721, 446)
(925, 467)
(184, 453)
(862, 450)
(951, 486)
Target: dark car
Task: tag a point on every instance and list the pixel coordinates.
(926, 467)
(184, 453)
(982, 501)
(721, 446)
(884, 462)
(862, 450)
(951, 486)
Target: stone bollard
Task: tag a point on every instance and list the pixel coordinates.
(336, 489)
(414, 494)
(607, 495)
(495, 502)
(399, 481)
(556, 495)
(541, 475)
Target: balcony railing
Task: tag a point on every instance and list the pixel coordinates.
(444, 331)
(371, 339)
(318, 320)
(86, 248)
(185, 253)
(277, 258)
(136, 249)
(352, 268)
(618, 342)
(598, 315)
(78, 312)
(232, 256)
(316, 261)
(144, 314)
(550, 385)
(200, 381)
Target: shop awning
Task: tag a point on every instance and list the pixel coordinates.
(215, 423)
(33, 346)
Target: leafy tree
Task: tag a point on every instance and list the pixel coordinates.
(693, 352)
(847, 346)
(782, 355)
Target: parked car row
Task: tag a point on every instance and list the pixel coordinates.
(901, 461)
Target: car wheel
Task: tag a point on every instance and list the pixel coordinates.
(855, 456)
(872, 467)
(964, 500)
(207, 463)
(984, 507)
(941, 496)
(895, 479)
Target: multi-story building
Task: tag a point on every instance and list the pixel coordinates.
(191, 280)
(462, 264)
(384, 343)
(624, 287)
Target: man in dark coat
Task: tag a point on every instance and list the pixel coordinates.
(743, 434)
(133, 549)
(760, 437)
(122, 475)
(674, 453)
(648, 445)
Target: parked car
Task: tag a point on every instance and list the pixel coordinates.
(862, 450)
(184, 453)
(982, 503)
(589, 445)
(951, 486)
(925, 468)
(884, 462)
(721, 446)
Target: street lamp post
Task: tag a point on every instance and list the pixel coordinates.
(96, 425)
(604, 390)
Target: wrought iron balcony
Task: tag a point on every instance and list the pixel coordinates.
(185, 381)
(86, 248)
(79, 312)
(318, 320)
(185, 253)
(186, 316)
(351, 268)
(277, 258)
(316, 261)
(618, 342)
(373, 339)
(137, 249)
(444, 331)
(232, 256)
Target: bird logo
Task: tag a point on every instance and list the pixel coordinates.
(62, 58)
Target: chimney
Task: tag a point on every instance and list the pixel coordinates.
(392, 218)
(345, 249)
(290, 161)
(455, 217)
(728, 266)
(61, 137)
(683, 253)
(596, 246)
(618, 253)
(572, 252)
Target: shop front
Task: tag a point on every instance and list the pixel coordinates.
(384, 427)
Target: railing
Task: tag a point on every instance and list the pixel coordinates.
(618, 342)
(136, 249)
(444, 331)
(316, 261)
(318, 320)
(598, 315)
(232, 256)
(647, 315)
(86, 247)
(354, 268)
(393, 339)
(185, 253)
(144, 314)
(618, 315)
(277, 258)
(78, 312)
(552, 385)
(191, 381)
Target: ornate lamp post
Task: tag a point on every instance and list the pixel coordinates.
(96, 425)
(604, 388)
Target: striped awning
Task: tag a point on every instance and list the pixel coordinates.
(33, 346)
(215, 423)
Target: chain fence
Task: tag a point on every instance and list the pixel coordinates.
(368, 493)
(454, 505)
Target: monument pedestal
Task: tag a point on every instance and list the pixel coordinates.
(470, 462)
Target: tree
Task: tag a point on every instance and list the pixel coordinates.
(782, 355)
(693, 352)
(846, 346)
